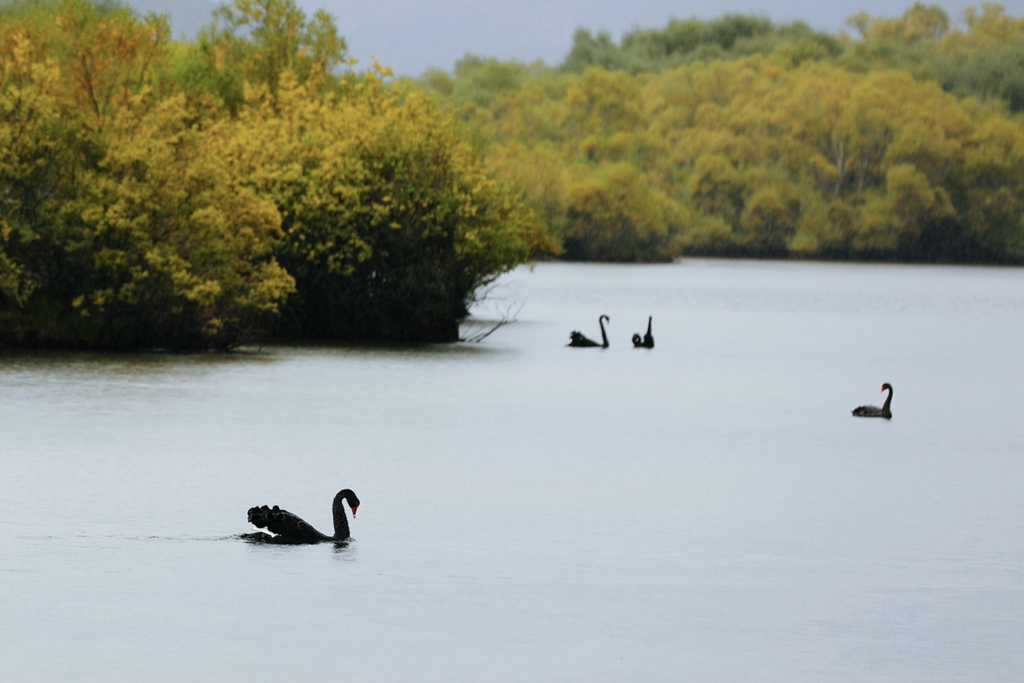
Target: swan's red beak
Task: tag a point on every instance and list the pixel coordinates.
(354, 508)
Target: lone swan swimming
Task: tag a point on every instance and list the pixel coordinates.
(578, 339)
(291, 529)
(647, 342)
(873, 411)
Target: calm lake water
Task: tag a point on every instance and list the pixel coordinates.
(708, 510)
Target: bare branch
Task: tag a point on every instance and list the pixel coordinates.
(512, 304)
(506, 318)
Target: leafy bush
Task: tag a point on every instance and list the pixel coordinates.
(190, 196)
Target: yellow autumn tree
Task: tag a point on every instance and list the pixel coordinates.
(177, 251)
(34, 156)
(391, 222)
(613, 215)
(195, 196)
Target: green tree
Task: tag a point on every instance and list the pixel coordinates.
(613, 215)
(391, 222)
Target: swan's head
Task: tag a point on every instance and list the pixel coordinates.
(350, 497)
(886, 386)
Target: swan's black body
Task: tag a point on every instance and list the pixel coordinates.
(291, 529)
(578, 339)
(647, 342)
(874, 411)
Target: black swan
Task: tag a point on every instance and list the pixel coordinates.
(293, 530)
(578, 339)
(873, 411)
(648, 340)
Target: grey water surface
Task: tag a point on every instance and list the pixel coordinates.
(707, 510)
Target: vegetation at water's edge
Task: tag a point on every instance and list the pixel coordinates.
(156, 194)
(198, 194)
(741, 137)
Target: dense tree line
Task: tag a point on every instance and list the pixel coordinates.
(985, 58)
(687, 41)
(741, 137)
(195, 194)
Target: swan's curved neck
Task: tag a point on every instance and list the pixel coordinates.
(888, 400)
(341, 531)
(604, 335)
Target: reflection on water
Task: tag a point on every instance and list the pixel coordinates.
(706, 509)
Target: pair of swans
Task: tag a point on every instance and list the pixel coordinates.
(289, 529)
(579, 340)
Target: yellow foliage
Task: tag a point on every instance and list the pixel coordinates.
(913, 200)
(170, 226)
(178, 196)
(919, 23)
(992, 28)
(786, 158)
(614, 215)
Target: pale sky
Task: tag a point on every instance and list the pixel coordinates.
(412, 36)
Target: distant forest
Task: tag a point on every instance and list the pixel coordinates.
(251, 183)
(742, 137)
